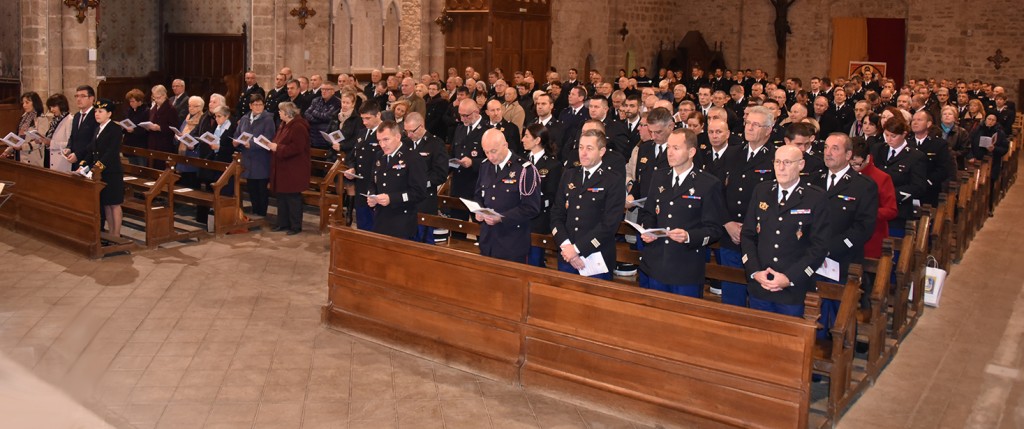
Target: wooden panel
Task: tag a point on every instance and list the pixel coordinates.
(536, 44)
(507, 45)
(513, 35)
(671, 359)
(57, 207)
(204, 60)
(10, 115)
(10, 91)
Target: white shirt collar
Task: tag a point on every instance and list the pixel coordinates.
(544, 121)
(899, 149)
(537, 155)
(593, 169)
(508, 156)
(789, 190)
(685, 173)
(720, 152)
(839, 174)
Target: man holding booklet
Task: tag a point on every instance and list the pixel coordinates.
(683, 215)
(509, 185)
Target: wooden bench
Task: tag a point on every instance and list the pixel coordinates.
(325, 190)
(536, 328)
(58, 207)
(143, 187)
(227, 210)
(873, 321)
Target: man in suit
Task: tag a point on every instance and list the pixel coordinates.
(430, 149)
(179, 99)
(416, 103)
(467, 153)
(785, 237)
(576, 113)
(437, 119)
(588, 208)
(941, 165)
(1005, 111)
(495, 120)
(745, 168)
(509, 185)
(361, 164)
(631, 119)
(688, 204)
(853, 205)
(398, 185)
(370, 88)
(843, 111)
(615, 131)
(827, 121)
(908, 168)
(251, 87)
(83, 129)
(295, 96)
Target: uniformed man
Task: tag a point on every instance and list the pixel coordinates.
(495, 120)
(543, 105)
(853, 206)
(801, 135)
(510, 185)
(745, 168)
(430, 149)
(688, 203)
(361, 162)
(908, 168)
(651, 155)
(785, 237)
(618, 135)
(717, 150)
(251, 87)
(941, 166)
(398, 183)
(588, 208)
(466, 154)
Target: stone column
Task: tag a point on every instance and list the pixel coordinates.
(411, 36)
(55, 48)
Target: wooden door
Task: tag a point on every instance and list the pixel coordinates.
(510, 34)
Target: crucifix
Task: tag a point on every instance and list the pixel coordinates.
(303, 12)
(82, 6)
(782, 29)
(998, 59)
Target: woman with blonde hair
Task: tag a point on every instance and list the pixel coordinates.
(975, 115)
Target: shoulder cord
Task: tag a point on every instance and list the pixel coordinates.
(533, 185)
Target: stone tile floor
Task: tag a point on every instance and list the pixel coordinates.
(226, 333)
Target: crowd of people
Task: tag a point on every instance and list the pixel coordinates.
(793, 184)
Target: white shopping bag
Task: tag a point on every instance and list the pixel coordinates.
(934, 279)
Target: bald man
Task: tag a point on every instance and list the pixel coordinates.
(510, 185)
(785, 237)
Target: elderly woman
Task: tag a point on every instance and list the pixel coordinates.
(163, 116)
(958, 139)
(221, 151)
(988, 139)
(975, 116)
(138, 112)
(289, 168)
(399, 109)
(59, 132)
(195, 124)
(255, 159)
(106, 148)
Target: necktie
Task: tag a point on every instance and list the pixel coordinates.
(368, 134)
(892, 153)
(750, 154)
(782, 201)
(657, 151)
(586, 176)
(81, 118)
(716, 157)
(389, 160)
(832, 181)
(677, 182)
(497, 169)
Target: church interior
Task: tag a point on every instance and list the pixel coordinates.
(199, 310)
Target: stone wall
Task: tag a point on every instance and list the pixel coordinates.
(55, 48)
(206, 16)
(128, 46)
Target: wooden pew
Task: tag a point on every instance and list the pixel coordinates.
(872, 322)
(833, 357)
(906, 269)
(536, 327)
(58, 207)
(963, 213)
(325, 188)
(158, 217)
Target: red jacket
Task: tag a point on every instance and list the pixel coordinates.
(886, 208)
(289, 166)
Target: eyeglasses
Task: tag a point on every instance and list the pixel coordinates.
(410, 132)
(465, 115)
(786, 162)
(759, 125)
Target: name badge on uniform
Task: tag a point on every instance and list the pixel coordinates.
(800, 211)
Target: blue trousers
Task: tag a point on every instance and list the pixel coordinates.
(364, 218)
(732, 293)
(566, 268)
(795, 310)
(424, 234)
(691, 290)
(537, 257)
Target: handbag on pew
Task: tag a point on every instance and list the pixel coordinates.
(934, 279)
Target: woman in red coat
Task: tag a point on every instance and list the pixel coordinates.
(289, 167)
(863, 163)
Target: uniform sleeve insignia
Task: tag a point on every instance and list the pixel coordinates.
(744, 259)
(706, 239)
(763, 205)
(595, 243)
(808, 271)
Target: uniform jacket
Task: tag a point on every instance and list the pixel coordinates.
(695, 206)
(589, 214)
(853, 207)
(741, 176)
(792, 238)
(515, 193)
(908, 171)
(403, 178)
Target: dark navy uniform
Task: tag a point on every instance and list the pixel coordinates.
(362, 159)
(556, 132)
(715, 167)
(570, 154)
(741, 176)
(431, 151)
(514, 192)
(695, 205)
(465, 143)
(814, 166)
(648, 163)
(853, 207)
(909, 171)
(588, 214)
(791, 238)
(402, 177)
(940, 165)
(511, 133)
(550, 170)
